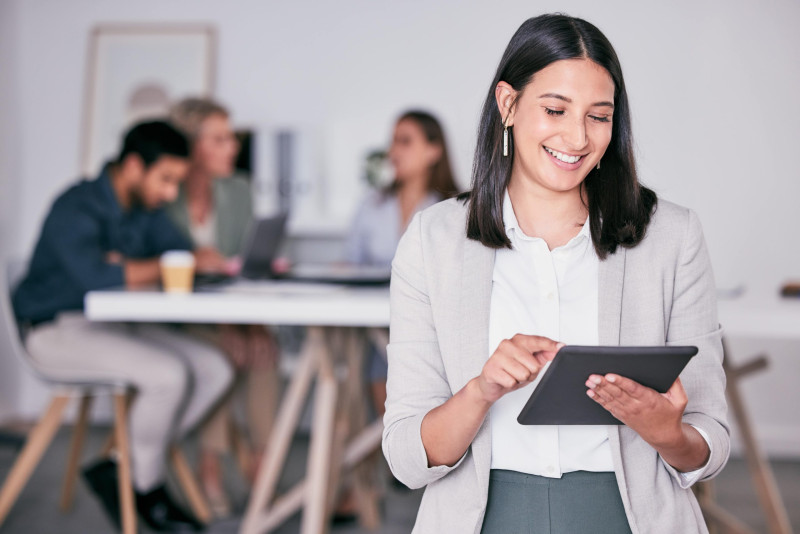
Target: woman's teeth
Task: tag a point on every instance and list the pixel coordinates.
(563, 157)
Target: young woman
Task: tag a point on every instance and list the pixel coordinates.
(423, 177)
(214, 208)
(556, 243)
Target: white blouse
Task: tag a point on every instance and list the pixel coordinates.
(204, 234)
(548, 293)
(554, 294)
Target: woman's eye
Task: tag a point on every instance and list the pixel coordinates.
(604, 118)
(554, 111)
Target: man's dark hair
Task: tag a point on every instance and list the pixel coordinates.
(151, 140)
(619, 206)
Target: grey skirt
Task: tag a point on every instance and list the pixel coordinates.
(573, 504)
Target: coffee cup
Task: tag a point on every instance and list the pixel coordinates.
(177, 271)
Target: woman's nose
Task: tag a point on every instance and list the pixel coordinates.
(575, 135)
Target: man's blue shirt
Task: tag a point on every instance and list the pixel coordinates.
(84, 225)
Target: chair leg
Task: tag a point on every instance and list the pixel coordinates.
(78, 437)
(124, 464)
(189, 485)
(110, 442)
(241, 449)
(35, 446)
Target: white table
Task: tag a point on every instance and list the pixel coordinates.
(761, 316)
(286, 303)
(244, 302)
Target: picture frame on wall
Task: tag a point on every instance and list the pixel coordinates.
(136, 72)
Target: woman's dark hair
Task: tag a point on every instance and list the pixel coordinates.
(151, 140)
(441, 179)
(619, 207)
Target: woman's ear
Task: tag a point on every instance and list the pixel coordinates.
(434, 153)
(505, 95)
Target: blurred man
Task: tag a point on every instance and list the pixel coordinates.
(105, 233)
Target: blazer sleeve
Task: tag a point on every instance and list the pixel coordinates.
(416, 381)
(693, 321)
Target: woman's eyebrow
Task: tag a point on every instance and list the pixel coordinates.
(569, 100)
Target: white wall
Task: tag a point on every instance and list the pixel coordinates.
(713, 86)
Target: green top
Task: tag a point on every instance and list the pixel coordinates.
(233, 209)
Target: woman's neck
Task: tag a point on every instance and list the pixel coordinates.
(198, 195)
(554, 216)
(409, 195)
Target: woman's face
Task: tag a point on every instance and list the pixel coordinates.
(562, 124)
(215, 147)
(411, 154)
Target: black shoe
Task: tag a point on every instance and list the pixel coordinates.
(102, 480)
(161, 513)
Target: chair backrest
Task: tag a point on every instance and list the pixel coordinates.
(12, 273)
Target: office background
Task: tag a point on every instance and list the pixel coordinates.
(713, 86)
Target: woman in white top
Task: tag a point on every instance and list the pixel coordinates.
(423, 177)
(556, 243)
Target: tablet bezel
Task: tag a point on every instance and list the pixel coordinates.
(560, 397)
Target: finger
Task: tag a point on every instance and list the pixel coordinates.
(520, 372)
(676, 393)
(602, 401)
(606, 390)
(534, 344)
(545, 356)
(631, 387)
(514, 352)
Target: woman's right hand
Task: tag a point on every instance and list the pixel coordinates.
(514, 364)
(208, 260)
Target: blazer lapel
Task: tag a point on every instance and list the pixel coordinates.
(472, 343)
(611, 274)
(472, 312)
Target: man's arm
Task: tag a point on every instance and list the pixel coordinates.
(74, 236)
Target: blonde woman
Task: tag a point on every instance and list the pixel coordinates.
(213, 209)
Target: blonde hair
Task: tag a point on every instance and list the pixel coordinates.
(188, 115)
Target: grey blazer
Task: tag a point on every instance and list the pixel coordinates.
(660, 292)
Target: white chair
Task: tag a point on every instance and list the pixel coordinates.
(42, 434)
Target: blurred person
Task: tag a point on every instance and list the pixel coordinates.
(106, 233)
(214, 209)
(422, 177)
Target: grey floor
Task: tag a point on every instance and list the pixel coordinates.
(36, 511)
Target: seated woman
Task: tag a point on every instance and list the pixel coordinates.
(214, 209)
(423, 177)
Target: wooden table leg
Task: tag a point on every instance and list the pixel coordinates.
(315, 516)
(364, 475)
(256, 519)
(190, 486)
(765, 485)
(327, 455)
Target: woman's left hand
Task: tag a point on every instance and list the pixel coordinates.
(655, 416)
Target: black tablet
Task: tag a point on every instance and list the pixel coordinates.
(560, 397)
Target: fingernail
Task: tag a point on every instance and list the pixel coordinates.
(611, 378)
(560, 345)
(596, 379)
(590, 393)
(590, 384)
